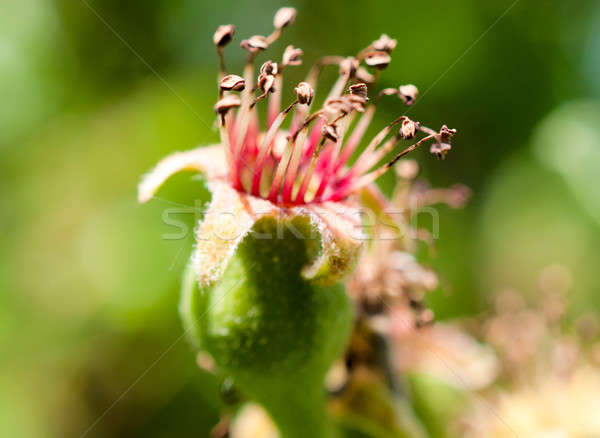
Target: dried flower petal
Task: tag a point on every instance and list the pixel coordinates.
(232, 82)
(209, 160)
(284, 17)
(224, 35)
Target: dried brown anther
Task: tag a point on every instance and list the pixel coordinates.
(446, 134)
(408, 129)
(336, 105)
(226, 103)
(284, 17)
(232, 82)
(269, 68)
(357, 102)
(359, 89)
(408, 93)
(379, 60)
(224, 35)
(266, 83)
(330, 132)
(255, 44)
(304, 93)
(291, 56)
(384, 44)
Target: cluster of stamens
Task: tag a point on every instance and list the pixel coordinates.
(310, 161)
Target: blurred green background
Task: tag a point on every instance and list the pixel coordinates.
(95, 92)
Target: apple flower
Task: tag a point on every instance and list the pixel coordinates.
(263, 169)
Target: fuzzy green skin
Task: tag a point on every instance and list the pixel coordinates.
(273, 331)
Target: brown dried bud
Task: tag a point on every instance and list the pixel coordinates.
(266, 82)
(284, 17)
(232, 82)
(224, 35)
(408, 129)
(384, 44)
(291, 56)
(269, 68)
(364, 76)
(348, 66)
(359, 89)
(305, 93)
(226, 103)
(357, 102)
(330, 132)
(255, 43)
(408, 93)
(440, 149)
(379, 60)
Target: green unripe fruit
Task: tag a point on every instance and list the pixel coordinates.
(274, 332)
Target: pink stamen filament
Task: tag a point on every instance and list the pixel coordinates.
(275, 100)
(266, 147)
(375, 141)
(309, 163)
(292, 171)
(360, 182)
(356, 136)
(333, 160)
(280, 172)
(309, 173)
